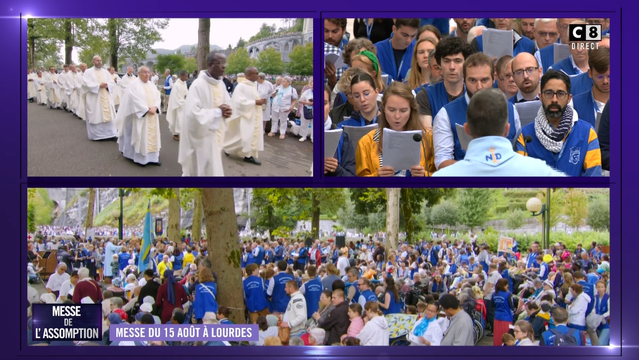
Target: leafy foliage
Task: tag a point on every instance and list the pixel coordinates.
(576, 207)
(301, 60)
(556, 205)
(445, 213)
(474, 205)
(516, 219)
(174, 62)
(238, 61)
(190, 65)
(270, 62)
(599, 213)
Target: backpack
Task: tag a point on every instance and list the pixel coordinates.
(568, 339)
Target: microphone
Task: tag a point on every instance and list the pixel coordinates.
(527, 140)
(418, 138)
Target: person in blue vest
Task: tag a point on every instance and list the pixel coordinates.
(269, 254)
(391, 303)
(223, 313)
(463, 27)
(590, 104)
(395, 53)
(478, 73)
(365, 292)
(334, 42)
(544, 269)
(256, 302)
(526, 73)
(258, 253)
(550, 31)
(560, 319)
(577, 62)
(588, 289)
(311, 290)
(302, 257)
(168, 85)
(279, 252)
(277, 288)
(557, 136)
(520, 43)
(450, 54)
(442, 24)
(602, 308)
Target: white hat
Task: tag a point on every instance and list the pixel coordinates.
(148, 300)
(47, 298)
(146, 307)
(86, 300)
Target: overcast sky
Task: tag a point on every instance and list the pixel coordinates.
(223, 32)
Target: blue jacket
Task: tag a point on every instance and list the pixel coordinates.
(301, 259)
(547, 55)
(503, 303)
(260, 256)
(442, 24)
(585, 106)
(547, 337)
(395, 307)
(456, 111)
(580, 155)
(524, 44)
(601, 307)
(546, 271)
(387, 63)
(204, 301)
(580, 84)
(565, 65)
(279, 253)
(254, 294)
(280, 298)
(437, 97)
(167, 83)
(312, 292)
(368, 295)
(589, 289)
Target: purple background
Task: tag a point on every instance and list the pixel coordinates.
(90, 317)
(14, 149)
(212, 329)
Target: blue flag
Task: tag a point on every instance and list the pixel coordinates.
(147, 239)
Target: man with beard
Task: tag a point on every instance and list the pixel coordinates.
(558, 138)
(478, 73)
(450, 54)
(334, 42)
(463, 27)
(590, 104)
(526, 72)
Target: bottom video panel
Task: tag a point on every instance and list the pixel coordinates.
(312, 267)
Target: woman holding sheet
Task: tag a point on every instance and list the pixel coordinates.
(398, 112)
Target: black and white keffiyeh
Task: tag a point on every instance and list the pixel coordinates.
(552, 139)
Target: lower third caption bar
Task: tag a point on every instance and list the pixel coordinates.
(173, 332)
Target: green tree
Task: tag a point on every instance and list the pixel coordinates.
(270, 62)
(46, 35)
(171, 61)
(240, 43)
(576, 208)
(599, 213)
(265, 31)
(445, 213)
(474, 205)
(190, 65)
(516, 219)
(31, 224)
(117, 38)
(556, 205)
(238, 61)
(301, 60)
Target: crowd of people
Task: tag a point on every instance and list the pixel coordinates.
(442, 291)
(208, 113)
(416, 75)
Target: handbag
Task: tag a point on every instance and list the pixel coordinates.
(308, 113)
(284, 333)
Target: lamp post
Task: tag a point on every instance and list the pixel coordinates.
(121, 194)
(536, 207)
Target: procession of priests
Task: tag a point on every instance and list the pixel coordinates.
(201, 114)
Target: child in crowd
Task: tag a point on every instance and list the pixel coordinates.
(115, 266)
(507, 340)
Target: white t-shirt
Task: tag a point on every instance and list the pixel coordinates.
(65, 288)
(493, 277)
(342, 264)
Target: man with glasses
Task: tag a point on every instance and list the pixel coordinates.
(526, 73)
(546, 32)
(546, 54)
(563, 142)
(504, 75)
(577, 62)
(450, 54)
(207, 105)
(582, 83)
(605, 24)
(590, 104)
(365, 292)
(478, 73)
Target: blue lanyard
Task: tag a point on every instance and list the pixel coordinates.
(399, 71)
(364, 122)
(369, 28)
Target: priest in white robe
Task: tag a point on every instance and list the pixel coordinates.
(244, 132)
(139, 120)
(32, 92)
(126, 80)
(41, 96)
(265, 89)
(72, 83)
(117, 92)
(65, 89)
(99, 108)
(81, 92)
(207, 104)
(177, 99)
(53, 89)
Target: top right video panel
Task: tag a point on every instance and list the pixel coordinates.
(466, 97)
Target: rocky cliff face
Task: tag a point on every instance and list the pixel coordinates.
(71, 205)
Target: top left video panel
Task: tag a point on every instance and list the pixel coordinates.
(169, 97)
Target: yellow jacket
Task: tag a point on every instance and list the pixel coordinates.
(188, 258)
(367, 158)
(162, 266)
